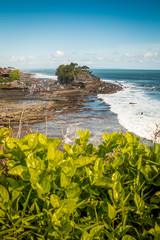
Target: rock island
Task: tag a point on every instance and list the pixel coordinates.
(28, 99)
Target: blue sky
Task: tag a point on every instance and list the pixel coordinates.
(100, 34)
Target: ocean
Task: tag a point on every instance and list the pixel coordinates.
(136, 108)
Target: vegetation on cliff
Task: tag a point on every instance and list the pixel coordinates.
(109, 192)
(68, 73)
(7, 75)
(14, 75)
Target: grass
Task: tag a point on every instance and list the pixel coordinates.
(5, 79)
(2, 86)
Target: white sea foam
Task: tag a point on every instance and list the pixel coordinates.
(70, 136)
(44, 76)
(136, 111)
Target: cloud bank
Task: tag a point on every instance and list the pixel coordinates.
(103, 58)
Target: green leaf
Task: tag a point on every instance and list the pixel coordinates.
(116, 176)
(157, 228)
(4, 195)
(44, 186)
(155, 231)
(32, 140)
(84, 134)
(110, 235)
(64, 180)
(128, 237)
(95, 231)
(54, 155)
(35, 162)
(21, 171)
(12, 183)
(68, 149)
(42, 139)
(55, 201)
(111, 211)
(130, 137)
(156, 198)
(84, 137)
(69, 205)
(112, 141)
(98, 165)
(55, 142)
(69, 171)
(83, 161)
(106, 136)
(73, 190)
(2, 214)
(17, 192)
(85, 235)
(118, 160)
(117, 188)
(12, 143)
(139, 202)
(157, 180)
(11, 163)
(156, 148)
(4, 132)
(102, 181)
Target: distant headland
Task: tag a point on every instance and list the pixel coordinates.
(38, 100)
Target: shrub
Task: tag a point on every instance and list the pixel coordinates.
(14, 75)
(5, 79)
(67, 73)
(110, 192)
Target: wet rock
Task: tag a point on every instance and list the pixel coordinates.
(51, 102)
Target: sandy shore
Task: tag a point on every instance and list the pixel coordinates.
(20, 103)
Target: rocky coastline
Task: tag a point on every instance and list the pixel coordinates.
(31, 100)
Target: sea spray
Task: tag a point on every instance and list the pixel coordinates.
(44, 76)
(135, 109)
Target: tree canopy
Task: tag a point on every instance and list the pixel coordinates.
(68, 73)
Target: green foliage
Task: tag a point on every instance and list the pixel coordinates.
(4, 79)
(5, 86)
(11, 75)
(14, 75)
(67, 73)
(109, 192)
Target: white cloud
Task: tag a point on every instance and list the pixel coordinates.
(136, 57)
(127, 58)
(99, 58)
(20, 59)
(150, 54)
(58, 54)
(117, 60)
(31, 57)
(12, 59)
(129, 55)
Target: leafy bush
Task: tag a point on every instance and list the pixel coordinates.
(67, 73)
(110, 192)
(14, 75)
(2, 79)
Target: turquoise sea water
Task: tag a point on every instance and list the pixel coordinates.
(148, 80)
(138, 105)
(136, 108)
